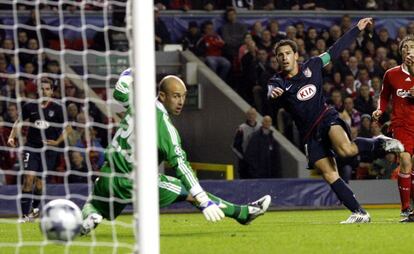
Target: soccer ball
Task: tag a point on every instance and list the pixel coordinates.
(61, 220)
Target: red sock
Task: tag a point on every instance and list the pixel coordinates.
(412, 186)
(404, 184)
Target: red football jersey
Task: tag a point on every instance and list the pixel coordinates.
(397, 83)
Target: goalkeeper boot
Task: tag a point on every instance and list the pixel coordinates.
(357, 218)
(390, 145)
(256, 209)
(34, 213)
(90, 223)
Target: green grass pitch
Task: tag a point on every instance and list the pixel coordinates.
(276, 232)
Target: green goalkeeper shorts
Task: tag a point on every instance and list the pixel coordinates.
(170, 189)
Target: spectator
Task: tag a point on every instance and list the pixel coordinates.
(401, 34)
(162, 35)
(364, 102)
(73, 112)
(259, 91)
(92, 148)
(244, 48)
(337, 81)
(350, 115)
(269, 106)
(275, 32)
(191, 37)
(12, 114)
(321, 45)
(394, 52)
(232, 32)
(301, 48)
(266, 42)
(291, 33)
(8, 44)
(262, 151)
(373, 69)
(410, 28)
(22, 39)
(346, 23)
(241, 141)
(257, 31)
(353, 66)
(383, 38)
(381, 54)
(336, 100)
(311, 37)
(300, 30)
(212, 44)
(376, 87)
(78, 168)
(341, 64)
(350, 86)
(249, 74)
(363, 76)
(334, 34)
(71, 91)
(369, 48)
(31, 57)
(365, 129)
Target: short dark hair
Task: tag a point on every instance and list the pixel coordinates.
(46, 80)
(403, 41)
(205, 24)
(290, 43)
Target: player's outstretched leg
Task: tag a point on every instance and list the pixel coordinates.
(91, 218)
(244, 214)
(379, 145)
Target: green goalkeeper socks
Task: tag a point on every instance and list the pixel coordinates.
(87, 209)
(237, 212)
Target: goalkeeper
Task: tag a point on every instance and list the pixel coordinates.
(112, 192)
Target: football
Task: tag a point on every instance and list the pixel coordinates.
(61, 220)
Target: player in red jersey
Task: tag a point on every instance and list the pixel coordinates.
(399, 85)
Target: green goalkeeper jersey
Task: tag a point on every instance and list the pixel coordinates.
(119, 152)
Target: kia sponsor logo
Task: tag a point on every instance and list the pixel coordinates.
(306, 92)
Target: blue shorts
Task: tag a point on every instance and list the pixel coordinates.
(318, 145)
(33, 160)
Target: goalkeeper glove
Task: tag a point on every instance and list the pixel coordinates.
(210, 209)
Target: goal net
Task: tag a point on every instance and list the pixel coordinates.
(81, 48)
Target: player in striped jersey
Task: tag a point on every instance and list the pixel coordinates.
(185, 187)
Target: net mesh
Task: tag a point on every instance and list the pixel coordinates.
(81, 47)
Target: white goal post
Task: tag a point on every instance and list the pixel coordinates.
(144, 96)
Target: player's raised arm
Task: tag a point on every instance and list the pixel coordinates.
(343, 43)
